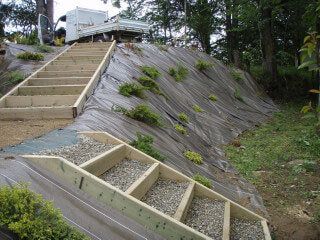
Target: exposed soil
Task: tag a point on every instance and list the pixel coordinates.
(14, 132)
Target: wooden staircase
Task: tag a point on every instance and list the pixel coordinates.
(60, 88)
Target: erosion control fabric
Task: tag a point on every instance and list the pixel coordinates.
(240, 105)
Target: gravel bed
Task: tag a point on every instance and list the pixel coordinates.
(206, 216)
(165, 195)
(241, 229)
(85, 149)
(125, 173)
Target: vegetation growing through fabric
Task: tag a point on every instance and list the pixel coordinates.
(131, 89)
(183, 117)
(236, 75)
(44, 48)
(178, 74)
(213, 98)
(16, 77)
(30, 56)
(29, 216)
(197, 108)
(150, 84)
(162, 47)
(151, 72)
(202, 65)
(237, 95)
(202, 180)
(145, 144)
(193, 156)
(179, 128)
(134, 48)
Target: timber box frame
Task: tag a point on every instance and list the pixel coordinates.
(86, 178)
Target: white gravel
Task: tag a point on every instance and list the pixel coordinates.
(165, 195)
(85, 149)
(241, 229)
(206, 216)
(125, 173)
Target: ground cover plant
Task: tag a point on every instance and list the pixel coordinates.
(213, 98)
(179, 128)
(150, 84)
(30, 56)
(193, 156)
(202, 65)
(131, 89)
(236, 75)
(183, 117)
(202, 180)
(44, 48)
(151, 72)
(238, 96)
(197, 108)
(178, 73)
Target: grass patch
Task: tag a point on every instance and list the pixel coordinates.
(44, 48)
(30, 56)
(151, 72)
(236, 75)
(142, 113)
(16, 77)
(29, 216)
(213, 98)
(202, 65)
(197, 108)
(131, 89)
(238, 96)
(150, 84)
(202, 180)
(183, 117)
(144, 143)
(179, 128)
(178, 74)
(193, 156)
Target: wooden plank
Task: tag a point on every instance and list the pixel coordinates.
(71, 67)
(226, 222)
(104, 138)
(51, 90)
(76, 62)
(40, 101)
(140, 187)
(88, 49)
(36, 113)
(185, 203)
(79, 73)
(89, 53)
(266, 230)
(105, 161)
(105, 193)
(76, 58)
(58, 81)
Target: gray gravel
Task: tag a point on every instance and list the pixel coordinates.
(241, 229)
(84, 150)
(165, 195)
(206, 215)
(125, 173)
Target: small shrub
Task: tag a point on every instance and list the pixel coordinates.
(183, 117)
(202, 180)
(179, 128)
(29, 216)
(179, 74)
(131, 89)
(142, 113)
(236, 75)
(202, 65)
(44, 48)
(31, 39)
(151, 72)
(162, 47)
(213, 98)
(197, 108)
(193, 156)
(144, 144)
(15, 77)
(150, 84)
(238, 96)
(30, 56)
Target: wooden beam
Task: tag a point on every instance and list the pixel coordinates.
(266, 229)
(88, 49)
(76, 58)
(185, 203)
(140, 187)
(226, 222)
(83, 53)
(76, 61)
(102, 163)
(79, 73)
(71, 67)
(58, 81)
(51, 90)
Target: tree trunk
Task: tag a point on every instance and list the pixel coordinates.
(228, 31)
(318, 61)
(45, 7)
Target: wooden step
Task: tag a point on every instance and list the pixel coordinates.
(92, 49)
(51, 90)
(76, 62)
(83, 53)
(82, 57)
(80, 73)
(71, 67)
(182, 210)
(58, 81)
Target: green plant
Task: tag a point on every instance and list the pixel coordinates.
(183, 117)
(197, 108)
(193, 156)
(16, 77)
(142, 113)
(131, 89)
(237, 95)
(30, 56)
(236, 75)
(306, 166)
(161, 47)
(202, 180)
(144, 144)
(202, 65)
(31, 39)
(150, 84)
(179, 74)
(213, 97)
(44, 48)
(151, 72)
(29, 216)
(179, 128)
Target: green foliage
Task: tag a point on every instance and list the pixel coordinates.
(44, 48)
(162, 47)
(142, 113)
(31, 217)
(202, 65)
(31, 39)
(30, 56)
(308, 52)
(131, 89)
(183, 117)
(144, 144)
(238, 96)
(202, 180)
(197, 108)
(306, 166)
(236, 75)
(150, 84)
(213, 98)
(193, 156)
(16, 77)
(179, 128)
(179, 74)
(151, 72)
